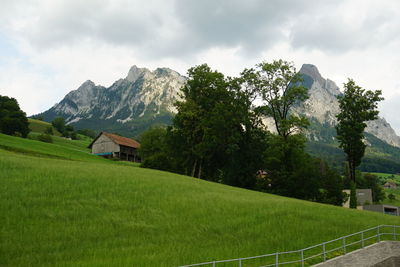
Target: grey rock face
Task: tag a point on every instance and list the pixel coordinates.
(142, 96)
(324, 106)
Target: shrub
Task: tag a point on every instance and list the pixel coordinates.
(49, 130)
(45, 138)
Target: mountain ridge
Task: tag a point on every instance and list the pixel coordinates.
(325, 111)
(130, 105)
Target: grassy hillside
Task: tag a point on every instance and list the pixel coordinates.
(61, 206)
(395, 202)
(39, 126)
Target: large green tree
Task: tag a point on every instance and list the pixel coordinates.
(216, 134)
(278, 88)
(13, 120)
(357, 106)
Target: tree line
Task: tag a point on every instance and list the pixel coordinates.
(218, 133)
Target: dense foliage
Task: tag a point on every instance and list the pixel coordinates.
(45, 138)
(13, 120)
(65, 130)
(218, 135)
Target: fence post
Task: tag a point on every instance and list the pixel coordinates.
(240, 262)
(213, 263)
(324, 251)
(362, 239)
(344, 245)
(302, 258)
(277, 259)
(394, 232)
(379, 233)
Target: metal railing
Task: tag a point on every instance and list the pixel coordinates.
(314, 254)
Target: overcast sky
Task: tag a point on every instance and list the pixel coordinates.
(50, 47)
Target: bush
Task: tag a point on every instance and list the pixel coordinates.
(45, 138)
(87, 132)
(157, 161)
(49, 130)
(59, 124)
(73, 136)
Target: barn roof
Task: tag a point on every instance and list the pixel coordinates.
(120, 140)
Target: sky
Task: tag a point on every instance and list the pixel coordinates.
(50, 47)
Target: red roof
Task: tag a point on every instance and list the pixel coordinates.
(120, 140)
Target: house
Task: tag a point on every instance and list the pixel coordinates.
(390, 185)
(364, 197)
(114, 146)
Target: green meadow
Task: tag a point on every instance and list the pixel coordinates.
(39, 126)
(62, 206)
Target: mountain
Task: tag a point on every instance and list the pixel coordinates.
(383, 150)
(323, 106)
(129, 106)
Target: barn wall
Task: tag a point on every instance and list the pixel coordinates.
(104, 144)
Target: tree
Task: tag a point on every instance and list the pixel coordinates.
(201, 93)
(371, 181)
(87, 132)
(216, 133)
(392, 197)
(13, 120)
(154, 150)
(59, 124)
(356, 107)
(49, 130)
(279, 86)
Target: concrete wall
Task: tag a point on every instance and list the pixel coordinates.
(363, 196)
(384, 252)
(104, 144)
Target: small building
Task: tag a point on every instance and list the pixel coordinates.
(114, 146)
(364, 197)
(388, 185)
(383, 208)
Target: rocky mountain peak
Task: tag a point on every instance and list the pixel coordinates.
(313, 72)
(88, 83)
(165, 72)
(85, 88)
(135, 72)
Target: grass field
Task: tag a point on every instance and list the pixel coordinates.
(395, 192)
(394, 177)
(61, 206)
(38, 126)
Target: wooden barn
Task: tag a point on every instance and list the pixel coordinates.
(114, 146)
